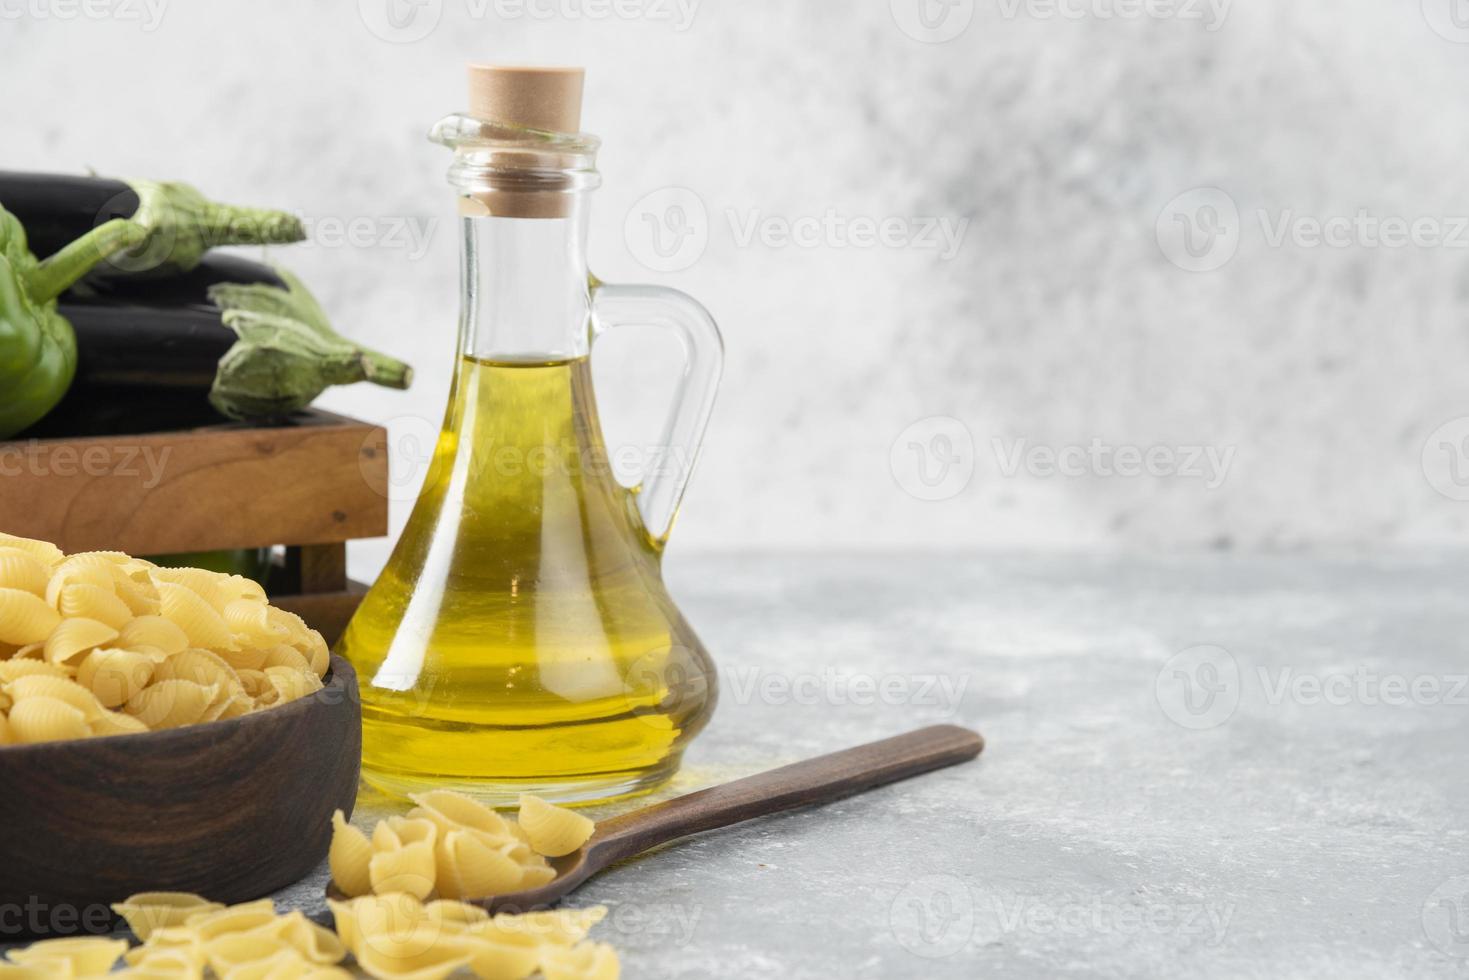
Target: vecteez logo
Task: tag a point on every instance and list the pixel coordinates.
(147, 14)
(932, 21)
(1449, 19)
(1199, 230)
(401, 21)
(667, 230)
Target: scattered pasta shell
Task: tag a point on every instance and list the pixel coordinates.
(553, 831)
(74, 637)
(208, 925)
(88, 956)
(7, 737)
(25, 617)
(348, 857)
(467, 867)
(409, 869)
(148, 911)
(314, 943)
(513, 958)
(153, 631)
(94, 602)
(45, 969)
(200, 621)
(450, 810)
(42, 719)
(561, 927)
(584, 961)
(171, 703)
(24, 571)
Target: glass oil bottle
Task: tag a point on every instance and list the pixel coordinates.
(520, 638)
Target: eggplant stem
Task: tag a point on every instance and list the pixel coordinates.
(53, 276)
(230, 224)
(383, 370)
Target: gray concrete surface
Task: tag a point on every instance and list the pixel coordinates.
(1308, 821)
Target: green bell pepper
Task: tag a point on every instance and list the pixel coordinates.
(38, 351)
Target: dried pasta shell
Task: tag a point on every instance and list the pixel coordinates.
(290, 684)
(61, 688)
(244, 917)
(232, 950)
(41, 719)
(536, 875)
(203, 667)
(584, 961)
(409, 869)
(141, 596)
(293, 624)
(245, 658)
(31, 651)
(24, 571)
(311, 941)
(87, 956)
(317, 652)
(71, 572)
(171, 703)
(25, 617)
(114, 675)
(44, 550)
(116, 723)
(149, 911)
(553, 830)
(155, 632)
(198, 619)
(7, 737)
(514, 957)
(455, 912)
(449, 811)
(286, 656)
(74, 637)
(250, 620)
(94, 602)
(255, 682)
(558, 927)
(348, 857)
(467, 867)
(12, 669)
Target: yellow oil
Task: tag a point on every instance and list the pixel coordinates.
(520, 638)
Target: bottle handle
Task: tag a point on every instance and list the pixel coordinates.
(667, 474)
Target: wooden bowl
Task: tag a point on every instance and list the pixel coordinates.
(231, 810)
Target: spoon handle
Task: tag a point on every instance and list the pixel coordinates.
(819, 780)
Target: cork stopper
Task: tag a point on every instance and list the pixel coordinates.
(536, 98)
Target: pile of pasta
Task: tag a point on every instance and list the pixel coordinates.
(101, 643)
(451, 847)
(390, 937)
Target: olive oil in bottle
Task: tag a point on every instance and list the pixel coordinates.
(520, 638)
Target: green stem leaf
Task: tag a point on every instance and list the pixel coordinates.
(52, 276)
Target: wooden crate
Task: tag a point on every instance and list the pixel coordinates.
(311, 485)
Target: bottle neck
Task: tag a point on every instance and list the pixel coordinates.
(525, 288)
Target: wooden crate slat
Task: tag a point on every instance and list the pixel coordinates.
(320, 482)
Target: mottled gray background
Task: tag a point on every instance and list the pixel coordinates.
(1058, 140)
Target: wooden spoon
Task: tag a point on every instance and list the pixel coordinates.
(819, 780)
